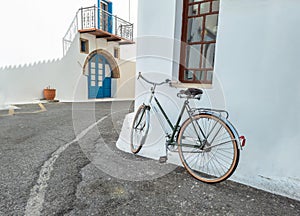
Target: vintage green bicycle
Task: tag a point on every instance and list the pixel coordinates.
(208, 144)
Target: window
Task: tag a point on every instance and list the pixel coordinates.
(117, 53)
(199, 32)
(84, 46)
(104, 16)
(103, 6)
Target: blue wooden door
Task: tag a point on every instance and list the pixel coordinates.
(99, 79)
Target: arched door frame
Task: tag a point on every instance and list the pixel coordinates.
(111, 60)
(96, 66)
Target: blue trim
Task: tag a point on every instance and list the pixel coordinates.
(109, 10)
(98, 6)
(110, 7)
(102, 88)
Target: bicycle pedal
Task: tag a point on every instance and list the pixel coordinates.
(163, 159)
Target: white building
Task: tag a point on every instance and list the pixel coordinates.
(91, 67)
(244, 54)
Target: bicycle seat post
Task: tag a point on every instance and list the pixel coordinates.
(153, 88)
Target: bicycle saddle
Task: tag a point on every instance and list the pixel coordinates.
(192, 92)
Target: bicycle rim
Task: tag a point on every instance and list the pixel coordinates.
(139, 130)
(216, 158)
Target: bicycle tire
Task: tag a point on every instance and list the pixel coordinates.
(139, 129)
(218, 158)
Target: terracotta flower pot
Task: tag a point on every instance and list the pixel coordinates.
(49, 94)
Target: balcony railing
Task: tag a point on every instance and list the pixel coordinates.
(94, 18)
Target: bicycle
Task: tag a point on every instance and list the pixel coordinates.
(208, 144)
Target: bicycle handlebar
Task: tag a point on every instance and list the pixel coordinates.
(167, 81)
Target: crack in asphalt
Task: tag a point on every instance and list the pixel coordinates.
(36, 199)
(70, 200)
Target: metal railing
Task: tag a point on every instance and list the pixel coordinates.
(88, 17)
(96, 18)
(70, 35)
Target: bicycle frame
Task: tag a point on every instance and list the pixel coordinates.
(175, 128)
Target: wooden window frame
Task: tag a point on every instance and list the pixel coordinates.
(184, 44)
(86, 51)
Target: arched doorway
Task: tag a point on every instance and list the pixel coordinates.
(99, 77)
(100, 67)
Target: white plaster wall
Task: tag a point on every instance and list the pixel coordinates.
(19, 84)
(154, 49)
(23, 84)
(257, 62)
(256, 79)
(72, 82)
(154, 41)
(126, 83)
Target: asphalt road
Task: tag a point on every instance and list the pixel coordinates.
(63, 162)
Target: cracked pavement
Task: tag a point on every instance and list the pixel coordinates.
(77, 186)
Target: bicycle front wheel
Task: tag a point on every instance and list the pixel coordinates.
(207, 148)
(139, 129)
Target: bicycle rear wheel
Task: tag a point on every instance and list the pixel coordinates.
(139, 129)
(216, 158)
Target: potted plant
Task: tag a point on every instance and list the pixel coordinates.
(49, 93)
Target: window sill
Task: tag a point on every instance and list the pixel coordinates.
(178, 84)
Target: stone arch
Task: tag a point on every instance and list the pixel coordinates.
(111, 60)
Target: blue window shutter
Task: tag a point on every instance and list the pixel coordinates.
(99, 19)
(110, 7)
(110, 18)
(110, 10)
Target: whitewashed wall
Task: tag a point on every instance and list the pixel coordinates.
(256, 79)
(25, 84)
(259, 67)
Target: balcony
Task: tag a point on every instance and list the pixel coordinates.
(95, 21)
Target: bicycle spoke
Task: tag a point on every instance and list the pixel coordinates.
(221, 165)
(216, 168)
(211, 130)
(224, 156)
(212, 163)
(219, 144)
